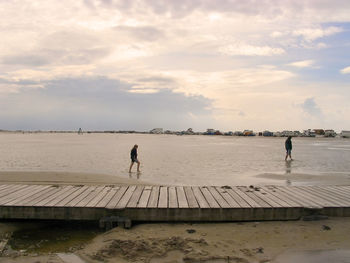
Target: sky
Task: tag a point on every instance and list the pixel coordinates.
(137, 65)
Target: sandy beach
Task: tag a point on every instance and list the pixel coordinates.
(38, 177)
(182, 242)
(246, 242)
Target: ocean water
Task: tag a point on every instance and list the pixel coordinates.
(176, 160)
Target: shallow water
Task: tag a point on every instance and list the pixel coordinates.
(45, 237)
(171, 159)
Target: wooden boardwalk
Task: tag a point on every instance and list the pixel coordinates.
(171, 203)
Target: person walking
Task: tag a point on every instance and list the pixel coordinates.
(288, 145)
(133, 156)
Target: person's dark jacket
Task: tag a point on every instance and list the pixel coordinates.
(133, 154)
(288, 144)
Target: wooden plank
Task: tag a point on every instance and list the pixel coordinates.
(134, 199)
(172, 197)
(116, 198)
(313, 197)
(238, 199)
(246, 198)
(290, 198)
(79, 190)
(26, 195)
(94, 201)
(181, 197)
(228, 198)
(43, 196)
(163, 197)
(34, 195)
(219, 199)
(302, 199)
(153, 199)
(336, 192)
(4, 186)
(144, 197)
(11, 189)
(251, 193)
(82, 196)
(326, 195)
(68, 198)
(17, 194)
(108, 197)
(61, 191)
(200, 198)
(89, 197)
(270, 199)
(191, 199)
(57, 200)
(287, 202)
(126, 197)
(344, 188)
(210, 199)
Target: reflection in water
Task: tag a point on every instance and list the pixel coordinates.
(289, 167)
(138, 175)
(288, 171)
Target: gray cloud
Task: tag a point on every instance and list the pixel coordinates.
(309, 106)
(27, 60)
(98, 103)
(143, 33)
(266, 8)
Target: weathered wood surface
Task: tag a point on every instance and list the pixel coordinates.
(171, 203)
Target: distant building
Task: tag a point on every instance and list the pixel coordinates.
(308, 133)
(319, 131)
(238, 133)
(330, 133)
(248, 133)
(277, 134)
(345, 134)
(156, 131)
(210, 132)
(189, 131)
(267, 133)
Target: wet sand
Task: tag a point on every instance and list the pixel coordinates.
(208, 242)
(307, 179)
(34, 177)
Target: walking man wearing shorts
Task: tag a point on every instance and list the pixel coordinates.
(288, 145)
(133, 156)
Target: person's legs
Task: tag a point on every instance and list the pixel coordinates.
(286, 156)
(138, 165)
(132, 163)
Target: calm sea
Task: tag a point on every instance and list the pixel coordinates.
(171, 159)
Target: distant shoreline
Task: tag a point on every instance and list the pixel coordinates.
(169, 133)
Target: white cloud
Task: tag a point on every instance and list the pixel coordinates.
(228, 51)
(277, 34)
(345, 70)
(311, 34)
(250, 50)
(302, 64)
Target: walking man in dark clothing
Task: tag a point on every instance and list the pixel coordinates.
(133, 156)
(288, 145)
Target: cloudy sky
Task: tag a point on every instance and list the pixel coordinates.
(136, 65)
